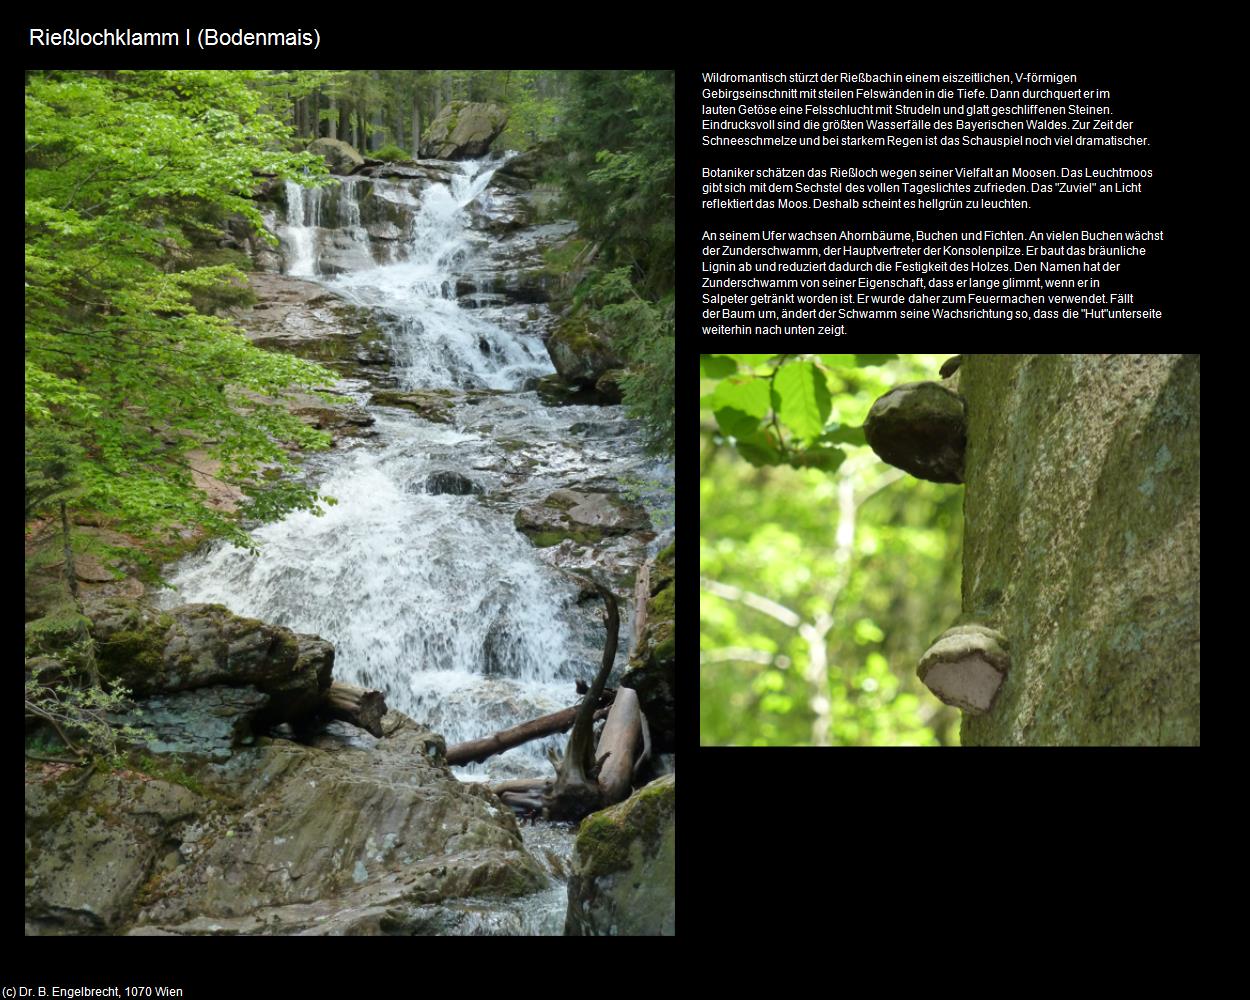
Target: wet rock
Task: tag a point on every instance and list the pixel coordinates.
(622, 878)
(450, 481)
(431, 172)
(299, 317)
(554, 391)
(464, 130)
(341, 157)
(431, 404)
(585, 518)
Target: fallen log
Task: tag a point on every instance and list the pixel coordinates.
(575, 794)
(476, 751)
(356, 705)
(618, 743)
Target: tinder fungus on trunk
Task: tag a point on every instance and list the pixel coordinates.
(920, 428)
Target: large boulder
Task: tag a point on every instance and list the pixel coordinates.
(341, 838)
(464, 130)
(622, 876)
(198, 645)
(586, 518)
(651, 664)
(581, 354)
(341, 157)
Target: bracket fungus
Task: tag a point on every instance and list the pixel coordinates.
(966, 667)
(921, 428)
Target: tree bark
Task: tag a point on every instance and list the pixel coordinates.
(575, 792)
(1083, 545)
(619, 741)
(476, 751)
(356, 705)
(642, 594)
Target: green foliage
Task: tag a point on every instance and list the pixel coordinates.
(391, 153)
(619, 181)
(123, 172)
(775, 408)
(62, 693)
(823, 579)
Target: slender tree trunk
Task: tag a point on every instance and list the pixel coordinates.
(416, 121)
(332, 123)
(67, 547)
(1083, 545)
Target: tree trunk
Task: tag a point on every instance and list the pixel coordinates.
(1083, 545)
(476, 751)
(332, 123)
(416, 122)
(619, 741)
(356, 705)
(67, 549)
(576, 793)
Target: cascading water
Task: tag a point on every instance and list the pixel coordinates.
(434, 598)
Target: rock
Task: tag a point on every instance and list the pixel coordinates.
(622, 878)
(281, 839)
(300, 317)
(525, 169)
(433, 170)
(609, 386)
(340, 156)
(207, 722)
(464, 130)
(449, 481)
(91, 849)
(554, 391)
(198, 645)
(431, 404)
(581, 354)
(652, 671)
(586, 518)
(341, 420)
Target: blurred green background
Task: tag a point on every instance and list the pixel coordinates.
(819, 591)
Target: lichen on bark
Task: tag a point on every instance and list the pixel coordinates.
(1083, 542)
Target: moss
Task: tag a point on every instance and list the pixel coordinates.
(666, 554)
(661, 605)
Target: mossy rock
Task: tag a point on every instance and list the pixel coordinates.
(622, 877)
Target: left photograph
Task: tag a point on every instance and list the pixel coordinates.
(349, 502)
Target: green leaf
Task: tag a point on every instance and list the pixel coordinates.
(801, 399)
(737, 424)
(745, 393)
(838, 360)
(843, 435)
(869, 360)
(717, 366)
(760, 450)
(825, 459)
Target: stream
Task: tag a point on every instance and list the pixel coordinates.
(435, 598)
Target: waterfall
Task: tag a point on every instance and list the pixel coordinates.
(303, 216)
(435, 599)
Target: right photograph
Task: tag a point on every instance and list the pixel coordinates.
(946, 550)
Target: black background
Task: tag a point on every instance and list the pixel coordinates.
(865, 849)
